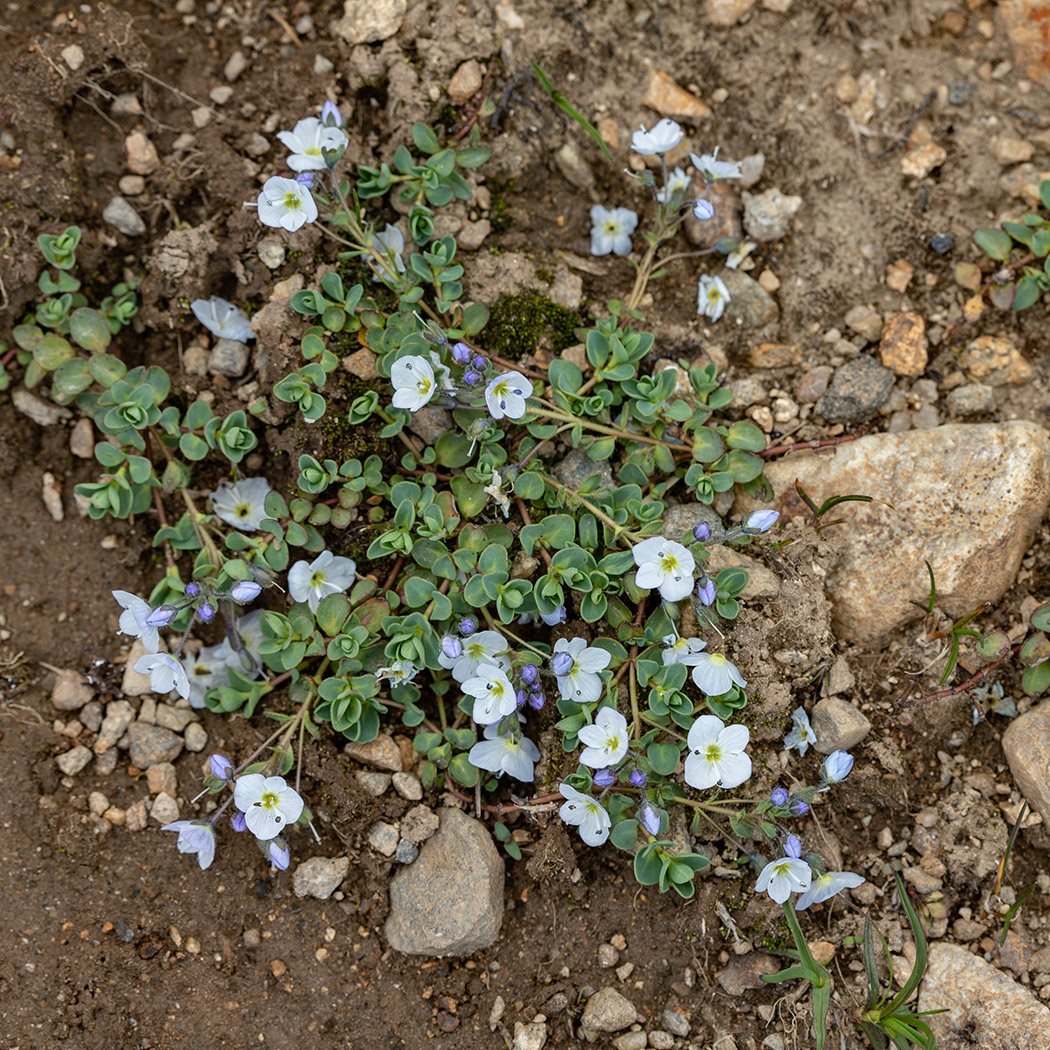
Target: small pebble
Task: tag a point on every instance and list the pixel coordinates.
(195, 736)
(383, 838)
(252, 938)
(73, 56)
(942, 243)
(407, 785)
(221, 95)
(278, 968)
(235, 66)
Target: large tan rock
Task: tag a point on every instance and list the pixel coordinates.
(966, 497)
(1027, 747)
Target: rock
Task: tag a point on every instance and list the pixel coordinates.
(126, 105)
(418, 824)
(121, 215)
(917, 163)
(762, 583)
(258, 145)
(574, 167)
(430, 422)
(362, 363)
(995, 361)
(195, 737)
(374, 784)
(1026, 744)
(119, 715)
(323, 65)
(73, 761)
(985, 1007)
(684, 517)
(576, 467)
(164, 809)
(383, 838)
(473, 234)
(567, 289)
(630, 1041)
(228, 357)
(751, 168)
(675, 1022)
(406, 852)
(73, 56)
(725, 224)
(840, 678)
(137, 816)
(161, 777)
(90, 716)
(608, 956)
(661, 1040)
(142, 154)
(768, 215)
(865, 321)
(838, 725)
(370, 21)
(106, 762)
(116, 816)
(608, 1011)
(450, 901)
(82, 439)
(966, 496)
(1012, 151)
(320, 877)
(382, 753)
(747, 391)
(774, 355)
(407, 785)
(466, 82)
(971, 400)
(942, 243)
(749, 303)
(904, 348)
(236, 64)
(174, 718)
(899, 275)
(71, 691)
(271, 253)
(221, 94)
(745, 972)
(133, 683)
(858, 390)
(811, 386)
(532, 1036)
(727, 12)
(668, 99)
(51, 495)
(40, 412)
(1026, 24)
(1023, 183)
(149, 745)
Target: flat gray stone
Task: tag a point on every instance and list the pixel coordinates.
(383, 838)
(768, 215)
(196, 737)
(407, 785)
(382, 753)
(576, 467)
(838, 725)
(608, 1011)
(858, 390)
(320, 877)
(164, 810)
(228, 357)
(450, 901)
(149, 745)
(1026, 744)
(749, 303)
(121, 215)
(71, 691)
(681, 519)
(73, 761)
(119, 714)
(374, 784)
(369, 21)
(430, 422)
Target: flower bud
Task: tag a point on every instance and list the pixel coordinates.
(193, 590)
(529, 673)
(519, 698)
(278, 854)
(837, 766)
(536, 700)
(760, 521)
(799, 808)
(161, 616)
(330, 115)
(461, 353)
(604, 777)
(467, 626)
(471, 378)
(702, 531)
(793, 847)
(451, 647)
(562, 663)
(305, 178)
(206, 611)
(779, 797)
(706, 591)
(244, 592)
(703, 210)
(480, 363)
(238, 822)
(554, 618)
(637, 778)
(220, 767)
(649, 818)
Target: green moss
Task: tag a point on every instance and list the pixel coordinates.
(519, 322)
(499, 212)
(545, 275)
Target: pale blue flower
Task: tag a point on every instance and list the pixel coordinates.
(195, 837)
(837, 766)
(826, 886)
(611, 230)
(801, 734)
(759, 521)
(222, 319)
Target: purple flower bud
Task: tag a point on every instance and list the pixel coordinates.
(604, 777)
(330, 115)
(467, 626)
(779, 797)
(793, 847)
(244, 592)
(471, 378)
(799, 808)
(554, 618)
(238, 822)
(562, 663)
(206, 611)
(279, 855)
(519, 698)
(761, 521)
(161, 616)
(703, 210)
(837, 766)
(451, 647)
(649, 817)
(706, 591)
(192, 590)
(480, 363)
(461, 353)
(305, 178)
(220, 767)
(536, 700)
(702, 531)
(529, 673)
(637, 778)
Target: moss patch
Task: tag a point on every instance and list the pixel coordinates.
(519, 323)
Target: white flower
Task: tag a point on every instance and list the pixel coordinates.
(714, 675)
(386, 243)
(398, 673)
(442, 373)
(208, 670)
(133, 619)
(712, 168)
(606, 740)
(310, 581)
(682, 650)
(286, 203)
(581, 680)
(195, 837)
(716, 754)
(611, 230)
(269, 805)
(165, 673)
(505, 754)
(665, 565)
(482, 647)
(493, 695)
(413, 379)
(739, 254)
(242, 503)
(665, 136)
(825, 886)
(676, 185)
(784, 876)
(506, 395)
(586, 813)
(495, 491)
(711, 297)
(801, 734)
(307, 140)
(222, 318)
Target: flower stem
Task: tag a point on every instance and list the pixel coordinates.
(553, 412)
(620, 530)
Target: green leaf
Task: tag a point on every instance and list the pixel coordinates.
(52, 351)
(89, 329)
(994, 243)
(663, 757)
(560, 100)
(424, 139)
(192, 446)
(625, 834)
(70, 379)
(107, 369)
(1028, 293)
(745, 435)
(1036, 679)
(708, 446)
(529, 486)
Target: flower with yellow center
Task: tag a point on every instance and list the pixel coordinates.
(269, 804)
